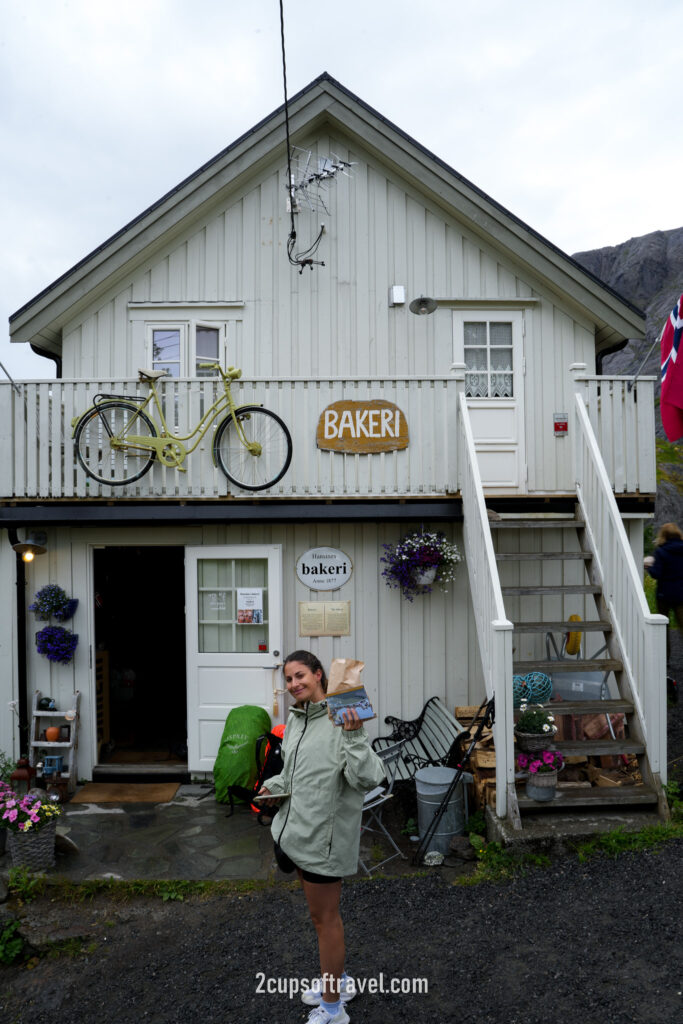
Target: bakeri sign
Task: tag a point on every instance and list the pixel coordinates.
(363, 428)
(324, 568)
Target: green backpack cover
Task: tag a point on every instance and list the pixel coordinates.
(236, 758)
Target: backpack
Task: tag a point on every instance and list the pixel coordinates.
(234, 764)
(268, 754)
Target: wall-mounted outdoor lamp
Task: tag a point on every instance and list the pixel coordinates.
(34, 544)
(422, 306)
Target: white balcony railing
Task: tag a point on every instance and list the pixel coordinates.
(39, 460)
(623, 421)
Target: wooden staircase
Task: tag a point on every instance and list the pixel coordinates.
(549, 558)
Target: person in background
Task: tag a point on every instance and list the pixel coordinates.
(327, 771)
(666, 566)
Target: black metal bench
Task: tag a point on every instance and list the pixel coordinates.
(429, 739)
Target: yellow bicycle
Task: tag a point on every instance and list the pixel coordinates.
(117, 440)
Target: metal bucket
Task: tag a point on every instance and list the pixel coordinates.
(432, 784)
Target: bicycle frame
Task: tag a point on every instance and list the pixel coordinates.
(170, 448)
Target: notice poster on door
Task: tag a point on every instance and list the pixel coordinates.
(249, 606)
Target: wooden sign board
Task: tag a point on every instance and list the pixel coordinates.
(363, 428)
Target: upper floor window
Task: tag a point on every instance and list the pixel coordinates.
(181, 349)
(488, 359)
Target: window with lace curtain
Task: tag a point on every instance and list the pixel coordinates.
(488, 359)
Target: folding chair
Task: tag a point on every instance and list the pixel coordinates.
(374, 803)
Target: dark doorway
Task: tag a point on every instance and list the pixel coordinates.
(140, 656)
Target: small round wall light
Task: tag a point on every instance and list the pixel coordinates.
(422, 306)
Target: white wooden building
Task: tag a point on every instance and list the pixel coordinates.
(486, 383)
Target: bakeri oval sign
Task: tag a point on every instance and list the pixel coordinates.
(324, 568)
(362, 427)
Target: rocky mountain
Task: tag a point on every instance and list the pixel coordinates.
(648, 271)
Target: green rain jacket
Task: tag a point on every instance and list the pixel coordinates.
(327, 770)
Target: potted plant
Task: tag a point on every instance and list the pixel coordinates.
(534, 727)
(7, 766)
(418, 561)
(542, 768)
(31, 825)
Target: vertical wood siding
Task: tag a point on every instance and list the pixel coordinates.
(412, 651)
(335, 320)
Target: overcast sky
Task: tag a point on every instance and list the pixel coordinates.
(567, 113)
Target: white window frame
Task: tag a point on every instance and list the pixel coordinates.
(188, 341)
(490, 316)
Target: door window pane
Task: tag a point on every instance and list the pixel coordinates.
(206, 350)
(233, 605)
(488, 360)
(166, 351)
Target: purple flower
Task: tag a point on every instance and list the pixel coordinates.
(548, 757)
(56, 643)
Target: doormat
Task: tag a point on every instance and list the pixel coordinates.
(126, 793)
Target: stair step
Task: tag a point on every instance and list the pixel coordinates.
(583, 588)
(578, 667)
(536, 556)
(590, 707)
(597, 626)
(536, 524)
(597, 796)
(577, 748)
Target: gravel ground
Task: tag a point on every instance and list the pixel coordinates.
(597, 943)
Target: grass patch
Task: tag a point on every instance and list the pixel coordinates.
(613, 844)
(24, 885)
(496, 864)
(164, 889)
(70, 948)
(11, 943)
(669, 463)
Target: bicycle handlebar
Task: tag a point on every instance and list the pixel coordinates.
(232, 373)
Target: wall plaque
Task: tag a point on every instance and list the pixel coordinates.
(362, 427)
(324, 568)
(324, 618)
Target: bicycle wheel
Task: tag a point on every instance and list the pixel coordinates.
(102, 462)
(253, 472)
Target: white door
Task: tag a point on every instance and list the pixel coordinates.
(234, 638)
(491, 346)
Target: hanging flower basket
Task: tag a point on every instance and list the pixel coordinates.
(419, 561)
(57, 644)
(52, 602)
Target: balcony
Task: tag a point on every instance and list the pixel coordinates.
(39, 461)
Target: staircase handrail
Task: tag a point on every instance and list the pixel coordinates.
(640, 633)
(494, 630)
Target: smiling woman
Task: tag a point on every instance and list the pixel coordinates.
(326, 772)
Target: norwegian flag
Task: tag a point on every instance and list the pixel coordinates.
(671, 398)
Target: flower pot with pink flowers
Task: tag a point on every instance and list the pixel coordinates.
(542, 769)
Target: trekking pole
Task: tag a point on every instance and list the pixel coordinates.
(487, 719)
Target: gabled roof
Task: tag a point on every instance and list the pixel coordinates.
(40, 320)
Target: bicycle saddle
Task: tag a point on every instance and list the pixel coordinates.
(151, 374)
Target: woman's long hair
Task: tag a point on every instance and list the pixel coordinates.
(310, 661)
(668, 531)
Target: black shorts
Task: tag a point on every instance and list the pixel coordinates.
(287, 865)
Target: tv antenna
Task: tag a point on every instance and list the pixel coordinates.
(308, 180)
